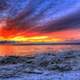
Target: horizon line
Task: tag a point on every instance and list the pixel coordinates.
(42, 43)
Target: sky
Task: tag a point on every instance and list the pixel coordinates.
(40, 20)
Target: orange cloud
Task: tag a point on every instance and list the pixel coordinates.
(15, 35)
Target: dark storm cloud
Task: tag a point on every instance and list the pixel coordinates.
(3, 5)
(43, 15)
(68, 22)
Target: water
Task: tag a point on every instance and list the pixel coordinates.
(7, 72)
(24, 50)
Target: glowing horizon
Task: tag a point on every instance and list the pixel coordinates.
(58, 36)
(32, 39)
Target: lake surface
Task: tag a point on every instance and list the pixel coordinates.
(23, 50)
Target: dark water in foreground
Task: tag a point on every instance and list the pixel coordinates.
(40, 67)
(34, 49)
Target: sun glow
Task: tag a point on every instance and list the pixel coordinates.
(31, 39)
(23, 38)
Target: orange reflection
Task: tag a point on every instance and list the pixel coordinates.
(7, 50)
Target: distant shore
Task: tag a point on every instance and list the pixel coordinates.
(57, 43)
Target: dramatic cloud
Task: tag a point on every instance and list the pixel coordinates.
(42, 12)
(43, 16)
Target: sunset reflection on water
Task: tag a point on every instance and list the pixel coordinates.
(9, 50)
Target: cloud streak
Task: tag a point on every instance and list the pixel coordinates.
(42, 15)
